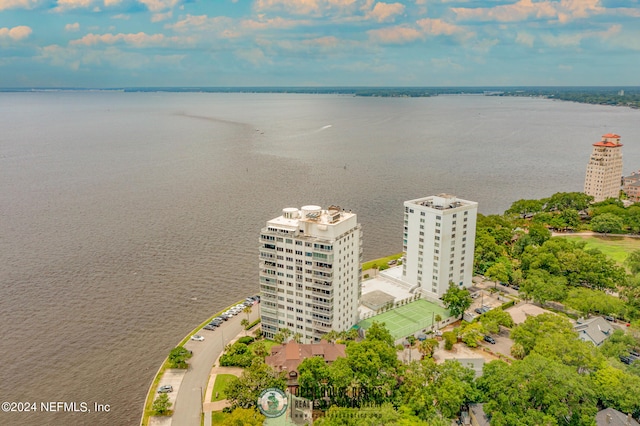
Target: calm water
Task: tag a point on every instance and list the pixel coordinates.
(127, 219)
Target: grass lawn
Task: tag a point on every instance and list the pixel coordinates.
(380, 262)
(219, 386)
(217, 417)
(616, 247)
(408, 319)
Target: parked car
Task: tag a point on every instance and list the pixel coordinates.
(197, 338)
(216, 323)
(226, 316)
(210, 327)
(490, 339)
(627, 359)
(165, 389)
(478, 311)
(609, 318)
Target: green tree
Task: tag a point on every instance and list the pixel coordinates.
(450, 338)
(247, 310)
(457, 300)
(178, 357)
(499, 271)
(260, 349)
(243, 391)
(607, 223)
(568, 200)
(382, 415)
(331, 336)
(427, 347)
(525, 208)
(517, 351)
(437, 389)
(245, 323)
(537, 391)
(541, 286)
(590, 301)
(282, 336)
(617, 389)
(632, 262)
(161, 405)
(528, 333)
(472, 334)
(243, 417)
(493, 319)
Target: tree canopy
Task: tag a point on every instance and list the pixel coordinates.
(457, 300)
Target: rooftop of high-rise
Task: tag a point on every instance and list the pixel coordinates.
(442, 202)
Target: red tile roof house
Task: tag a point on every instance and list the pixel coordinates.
(288, 357)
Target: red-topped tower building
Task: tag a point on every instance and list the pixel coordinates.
(604, 171)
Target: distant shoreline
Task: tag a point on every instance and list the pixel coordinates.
(626, 96)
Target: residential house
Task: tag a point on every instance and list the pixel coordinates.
(611, 417)
(288, 357)
(595, 330)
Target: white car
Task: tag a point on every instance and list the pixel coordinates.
(197, 338)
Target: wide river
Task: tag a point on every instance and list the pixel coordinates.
(126, 219)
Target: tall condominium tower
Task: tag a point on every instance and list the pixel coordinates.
(439, 240)
(604, 171)
(310, 267)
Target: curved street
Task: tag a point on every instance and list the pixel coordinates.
(190, 392)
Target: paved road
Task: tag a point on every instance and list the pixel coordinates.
(188, 406)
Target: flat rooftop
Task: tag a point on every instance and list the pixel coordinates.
(441, 202)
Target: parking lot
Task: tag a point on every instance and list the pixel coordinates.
(173, 378)
(502, 346)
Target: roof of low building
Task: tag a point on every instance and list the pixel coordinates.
(288, 357)
(595, 329)
(611, 417)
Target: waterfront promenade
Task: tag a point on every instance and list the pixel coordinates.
(189, 392)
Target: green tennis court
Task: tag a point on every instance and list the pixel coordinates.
(408, 319)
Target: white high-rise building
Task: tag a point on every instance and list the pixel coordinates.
(439, 242)
(604, 171)
(310, 268)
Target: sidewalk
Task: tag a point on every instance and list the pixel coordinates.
(207, 405)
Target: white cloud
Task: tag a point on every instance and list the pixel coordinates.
(72, 27)
(138, 40)
(438, 27)
(575, 39)
(159, 5)
(385, 12)
(64, 5)
(254, 56)
(395, 35)
(308, 7)
(16, 33)
(525, 38)
(18, 4)
(159, 17)
(563, 11)
(202, 22)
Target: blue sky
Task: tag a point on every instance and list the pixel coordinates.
(123, 43)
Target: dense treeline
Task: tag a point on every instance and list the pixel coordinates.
(517, 248)
(591, 95)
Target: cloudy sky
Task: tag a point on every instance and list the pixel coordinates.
(123, 43)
